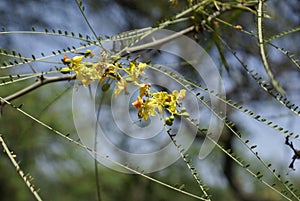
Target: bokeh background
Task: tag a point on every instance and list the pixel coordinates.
(63, 171)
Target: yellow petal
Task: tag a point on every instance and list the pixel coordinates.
(76, 59)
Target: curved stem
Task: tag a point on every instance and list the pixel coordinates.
(262, 48)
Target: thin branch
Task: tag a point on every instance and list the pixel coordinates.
(229, 171)
(85, 18)
(97, 174)
(41, 80)
(262, 48)
(158, 42)
(88, 23)
(296, 152)
(25, 178)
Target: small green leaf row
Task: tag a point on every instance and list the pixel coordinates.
(188, 162)
(228, 124)
(192, 86)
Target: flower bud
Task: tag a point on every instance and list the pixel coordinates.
(168, 121)
(65, 70)
(172, 118)
(88, 53)
(185, 114)
(105, 87)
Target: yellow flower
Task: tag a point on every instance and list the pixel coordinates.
(148, 108)
(138, 103)
(86, 75)
(145, 108)
(179, 95)
(122, 84)
(76, 62)
(144, 89)
(142, 67)
(134, 71)
(169, 101)
(132, 67)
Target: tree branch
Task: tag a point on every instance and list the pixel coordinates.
(41, 80)
(260, 16)
(157, 42)
(26, 179)
(296, 152)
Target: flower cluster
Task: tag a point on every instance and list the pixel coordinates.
(88, 72)
(147, 103)
(132, 75)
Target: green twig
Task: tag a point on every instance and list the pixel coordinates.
(262, 48)
(25, 178)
